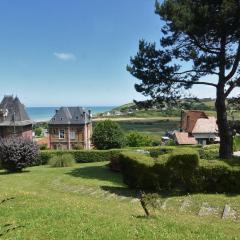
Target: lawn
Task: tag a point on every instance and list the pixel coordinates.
(88, 201)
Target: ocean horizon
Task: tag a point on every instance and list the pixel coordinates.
(42, 114)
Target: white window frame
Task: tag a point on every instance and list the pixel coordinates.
(61, 131)
(72, 135)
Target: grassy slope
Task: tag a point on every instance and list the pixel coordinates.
(48, 205)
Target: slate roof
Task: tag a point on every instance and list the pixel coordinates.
(206, 125)
(190, 118)
(14, 112)
(71, 115)
(183, 138)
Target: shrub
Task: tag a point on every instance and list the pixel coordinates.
(80, 156)
(38, 131)
(236, 143)
(43, 147)
(18, 153)
(64, 160)
(182, 170)
(136, 139)
(209, 152)
(137, 170)
(182, 165)
(108, 134)
(78, 147)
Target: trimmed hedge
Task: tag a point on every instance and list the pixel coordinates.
(80, 156)
(83, 156)
(181, 170)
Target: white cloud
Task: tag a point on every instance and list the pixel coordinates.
(65, 56)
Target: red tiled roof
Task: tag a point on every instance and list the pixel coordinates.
(190, 118)
(182, 138)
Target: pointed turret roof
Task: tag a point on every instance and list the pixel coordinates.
(14, 112)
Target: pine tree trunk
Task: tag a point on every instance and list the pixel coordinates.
(225, 133)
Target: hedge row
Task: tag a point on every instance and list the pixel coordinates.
(82, 156)
(181, 170)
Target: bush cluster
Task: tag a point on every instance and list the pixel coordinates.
(64, 160)
(18, 153)
(80, 156)
(136, 139)
(182, 169)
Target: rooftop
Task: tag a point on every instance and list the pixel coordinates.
(182, 138)
(71, 115)
(13, 112)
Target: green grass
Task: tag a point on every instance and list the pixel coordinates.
(48, 204)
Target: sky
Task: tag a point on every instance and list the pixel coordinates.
(74, 52)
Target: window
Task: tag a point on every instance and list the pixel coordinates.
(72, 135)
(77, 117)
(61, 134)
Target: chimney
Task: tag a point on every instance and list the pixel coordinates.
(1, 115)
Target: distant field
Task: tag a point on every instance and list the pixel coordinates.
(155, 127)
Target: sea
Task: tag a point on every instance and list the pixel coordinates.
(42, 114)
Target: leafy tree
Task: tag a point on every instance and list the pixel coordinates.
(203, 34)
(17, 153)
(107, 134)
(38, 131)
(136, 139)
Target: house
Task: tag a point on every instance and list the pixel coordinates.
(70, 127)
(197, 128)
(14, 120)
(182, 138)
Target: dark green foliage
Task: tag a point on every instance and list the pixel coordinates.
(64, 160)
(18, 153)
(78, 147)
(107, 134)
(180, 170)
(203, 34)
(43, 147)
(236, 145)
(182, 165)
(209, 152)
(38, 131)
(80, 156)
(137, 170)
(137, 139)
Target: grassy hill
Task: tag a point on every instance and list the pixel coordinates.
(88, 201)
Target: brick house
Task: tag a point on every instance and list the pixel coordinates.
(14, 120)
(70, 127)
(197, 128)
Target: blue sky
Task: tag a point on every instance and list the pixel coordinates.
(74, 52)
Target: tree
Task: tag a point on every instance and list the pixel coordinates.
(107, 134)
(136, 139)
(203, 34)
(18, 153)
(38, 131)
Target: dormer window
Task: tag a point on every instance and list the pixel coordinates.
(61, 119)
(77, 117)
